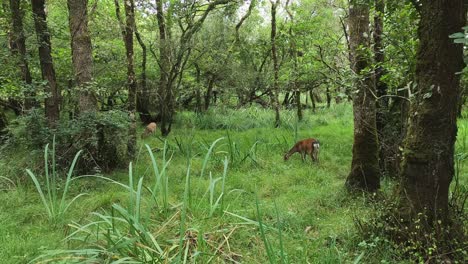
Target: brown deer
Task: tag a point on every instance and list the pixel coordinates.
(310, 146)
(150, 128)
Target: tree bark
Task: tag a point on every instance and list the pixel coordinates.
(18, 48)
(209, 93)
(274, 92)
(164, 92)
(295, 88)
(428, 165)
(143, 95)
(131, 79)
(52, 101)
(312, 99)
(286, 99)
(82, 54)
(364, 173)
(381, 87)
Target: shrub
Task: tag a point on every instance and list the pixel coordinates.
(387, 226)
(102, 136)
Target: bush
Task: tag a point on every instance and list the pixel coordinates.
(102, 136)
(419, 239)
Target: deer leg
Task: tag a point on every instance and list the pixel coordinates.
(315, 155)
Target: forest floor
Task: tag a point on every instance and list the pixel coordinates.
(304, 213)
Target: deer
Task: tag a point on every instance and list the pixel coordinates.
(310, 146)
(150, 128)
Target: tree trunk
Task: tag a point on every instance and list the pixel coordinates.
(312, 99)
(131, 80)
(47, 67)
(208, 94)
(18, 47)
(298, 105)
(164, 92)
(428, 165)
(381, 87)
(364, 173)
(3, 124)
(274, 92)
(328, 97)
(292, 38)
(143, 96)
(81, 54)
(286, 99)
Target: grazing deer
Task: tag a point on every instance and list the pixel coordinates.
(150, 128)
(310, 146)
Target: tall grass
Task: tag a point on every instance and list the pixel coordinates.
(123, 234)
(118, 236)
(160, 190)
(54, 203)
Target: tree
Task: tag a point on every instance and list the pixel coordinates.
(143, 93)
(165, 91)
(47, 66)
(364, 173)
(82, 54)
(131, 80)
(18, 48)
(173, 55)
(127, 31)
(428, 165)
(292, 39)
(274, 90)
(379, 71)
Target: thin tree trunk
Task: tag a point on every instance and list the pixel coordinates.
(274, 92)
(198, 88)
(3, 124)
(292, 38)
(312, 99)
(286, 99)
(164, 64)
(428, 161)
(18, 47)
(208, 94)
(328, 97)
(82, 54)
(52, 111)
(364, 173)
(299, 106)
(131, 79)
(143, 93)
(13, 103)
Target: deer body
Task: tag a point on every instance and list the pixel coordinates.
(150, 128)
(310, 146)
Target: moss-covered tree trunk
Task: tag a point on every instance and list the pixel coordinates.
(428, 161)
(52, 102)
(364, 173)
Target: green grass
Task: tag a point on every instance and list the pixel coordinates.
(236, 200)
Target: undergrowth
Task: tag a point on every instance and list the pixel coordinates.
(212, 192)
